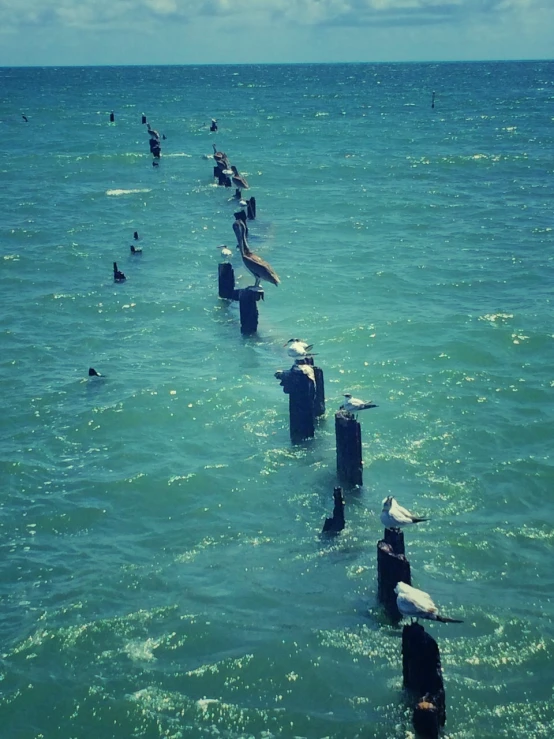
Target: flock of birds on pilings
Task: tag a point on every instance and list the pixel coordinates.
(411, 602)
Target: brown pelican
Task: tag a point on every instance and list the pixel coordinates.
(253, 263)
(238, 180)
(220, 157)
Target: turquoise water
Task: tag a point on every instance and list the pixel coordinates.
(162, 570)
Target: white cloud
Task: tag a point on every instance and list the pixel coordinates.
(105, 13)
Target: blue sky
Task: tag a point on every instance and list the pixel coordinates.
(82, 32)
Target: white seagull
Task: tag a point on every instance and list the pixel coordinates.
(354, 405)
(394, 516)
(225, 251)
(298, 349)
(418, 604)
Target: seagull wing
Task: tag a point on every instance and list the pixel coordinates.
(400, 514)
(414, 602)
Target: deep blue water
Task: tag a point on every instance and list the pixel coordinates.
(162, 569)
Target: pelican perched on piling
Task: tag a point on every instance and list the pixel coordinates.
(220, 157)
(253, 263)
(238, 180)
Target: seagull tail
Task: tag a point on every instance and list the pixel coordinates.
(419, 520)
(446, 620)
(368, 405)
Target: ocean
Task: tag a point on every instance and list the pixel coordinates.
(162, 571)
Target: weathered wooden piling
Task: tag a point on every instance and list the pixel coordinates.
(118, 276)
(248, 305)
(240, 215)
(422, 675)
(392, 568)
(299, 384)
(251, 208)
(223, 180)
(349, 448)
(112, 117)
(319, 401)
(335, 524)
(143, 119)
(226, 281)
(395, 537)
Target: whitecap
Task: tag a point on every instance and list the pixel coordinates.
(127, 192)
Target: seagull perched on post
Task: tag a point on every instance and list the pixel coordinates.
(225, 251)
(394, 516)
(418, 604)
(354, 405)
(253, 263)
(298, 349)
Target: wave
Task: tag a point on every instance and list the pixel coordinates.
(128, 192)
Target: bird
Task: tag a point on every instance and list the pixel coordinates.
(298, 349)
(135, 250)
(225, 251)
(394, 516)
(418, 604)
(238, 180)
(253, 263)
(153, 132)
(354, 405)
(220, 157)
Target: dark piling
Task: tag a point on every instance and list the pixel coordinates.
(299, 384)
(226, 281)
(392, 568)
(248, 305)
(335, 524)
(251, 209)
(349, 448)
(422, 675)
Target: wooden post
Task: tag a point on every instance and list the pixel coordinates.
(426, 720)
(422, 674)
(349, 448)
(392, 568)
(299, 384)
(319, 402)
(240, 216)
(226, 280)
(251, 208)
(336, 523)
(301, 404)
(143, 119)
(112, 117)
(395, 537)
(249, 310)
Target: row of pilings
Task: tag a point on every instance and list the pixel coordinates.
(304, 385)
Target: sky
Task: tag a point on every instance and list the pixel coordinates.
(95, 32)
